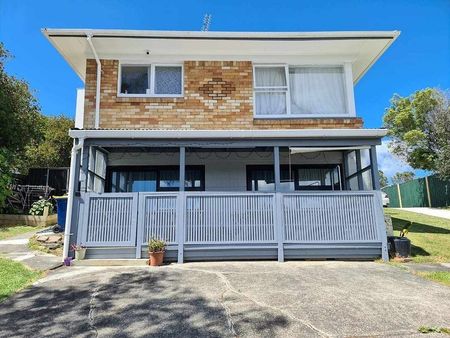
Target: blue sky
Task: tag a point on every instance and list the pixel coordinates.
(419, 58)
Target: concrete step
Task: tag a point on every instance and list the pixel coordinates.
(110, 262)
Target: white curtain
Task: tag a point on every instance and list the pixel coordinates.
(317, 91)
(271, 89)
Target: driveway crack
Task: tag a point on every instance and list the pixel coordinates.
(230, 288)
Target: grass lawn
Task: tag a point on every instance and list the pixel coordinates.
(437, 276)
(430, 236)
(14, 276)
(7, 231)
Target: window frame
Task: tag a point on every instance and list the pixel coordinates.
(348, 91)
(294, 169)
(157, 169)
(151, 78)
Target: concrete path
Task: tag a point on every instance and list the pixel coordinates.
(235, 299)
(16, 248)
(431, 212)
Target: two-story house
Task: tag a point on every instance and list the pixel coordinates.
(225, 145)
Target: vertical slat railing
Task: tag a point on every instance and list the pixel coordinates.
(229, 218)
(330, 217)
(109, 219)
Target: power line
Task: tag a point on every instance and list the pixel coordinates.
(206, 22)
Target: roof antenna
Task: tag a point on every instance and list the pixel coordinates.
(206, 22)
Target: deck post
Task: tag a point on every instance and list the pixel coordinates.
(276, 164)
(358, 169)
(182, 167)
(277, 204)
(181, 202)
(278, 223)
(374, 168)
(181, 220)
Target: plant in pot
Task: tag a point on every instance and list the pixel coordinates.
(80, 251)
(156, 249)
(401, 245)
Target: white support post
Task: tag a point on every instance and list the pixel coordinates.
(379, 216)
(140, 224)
(276, 164)
(181, 206)
(278, 217)
(182, 167)
(279, 226)
(181, 220)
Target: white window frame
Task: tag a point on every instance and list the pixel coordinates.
(348, 91)
(151, 79)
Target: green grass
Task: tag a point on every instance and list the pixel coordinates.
(8, 231)
(437, 276)
(430, 236)
(14, 276)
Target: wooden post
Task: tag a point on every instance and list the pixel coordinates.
(427, 186)
(399, 196)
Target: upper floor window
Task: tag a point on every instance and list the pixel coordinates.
(300, 91)
(151, 80)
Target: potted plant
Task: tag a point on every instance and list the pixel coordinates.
(156, 249)
(400, 245)
(80, 251)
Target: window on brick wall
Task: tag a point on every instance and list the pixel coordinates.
(151, 80)
(299, 91)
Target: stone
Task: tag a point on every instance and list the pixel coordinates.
(42, 238)
(54, 239)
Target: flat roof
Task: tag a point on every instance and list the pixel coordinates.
(361, 48)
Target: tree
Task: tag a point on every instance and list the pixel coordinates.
(383, 179)
(20, 121)
(53, 149)
(20, 116)
(403, 177)
(419, 128)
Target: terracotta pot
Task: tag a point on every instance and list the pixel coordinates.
(156, 258)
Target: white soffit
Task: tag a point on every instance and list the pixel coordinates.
(229, 134)
(362, 49)
(299, 150)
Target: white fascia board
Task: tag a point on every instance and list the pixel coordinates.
(219, 35)
(229, 134)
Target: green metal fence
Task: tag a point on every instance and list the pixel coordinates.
(428, 191)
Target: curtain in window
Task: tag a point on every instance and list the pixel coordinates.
(317, 90)
(167, 80)
(271, 88)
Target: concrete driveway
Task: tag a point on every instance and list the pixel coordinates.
(245, 299)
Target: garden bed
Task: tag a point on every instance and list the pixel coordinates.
(44, 220)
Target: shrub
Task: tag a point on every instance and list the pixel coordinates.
(156, 245)
(37, 208)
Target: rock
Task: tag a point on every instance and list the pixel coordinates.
(42, 238)
(54, 239)
(53, 246)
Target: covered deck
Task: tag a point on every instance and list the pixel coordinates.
(257, 195)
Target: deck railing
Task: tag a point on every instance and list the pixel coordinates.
(131, 219)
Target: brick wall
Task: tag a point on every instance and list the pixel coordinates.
(217, 95)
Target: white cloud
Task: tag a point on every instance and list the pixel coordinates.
(389, 163)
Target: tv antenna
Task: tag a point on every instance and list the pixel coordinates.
(206, 22)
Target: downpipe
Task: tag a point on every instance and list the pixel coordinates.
(99, 75)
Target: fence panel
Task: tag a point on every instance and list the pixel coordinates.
(229, 218)
(326, 217)
(414, 193)
(159, 217)
(392, 192)
(439, 191)
(111, 219)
